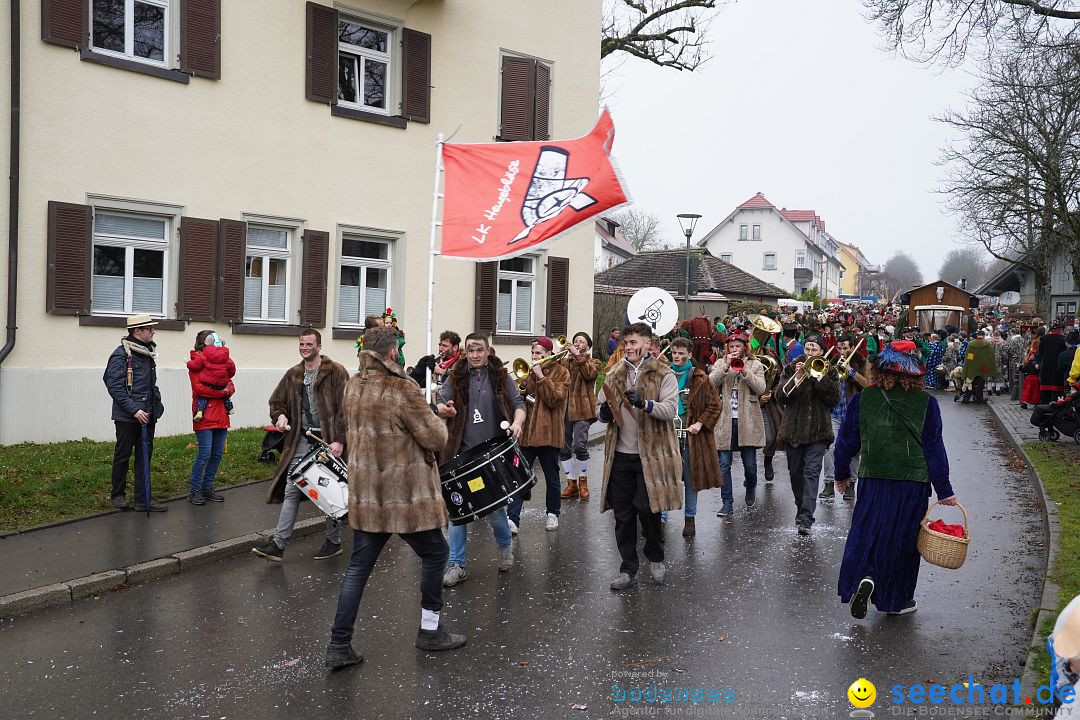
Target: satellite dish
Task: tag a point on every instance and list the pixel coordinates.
(655, 307)
(1010, 297)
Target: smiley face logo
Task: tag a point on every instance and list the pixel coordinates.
(862, 693)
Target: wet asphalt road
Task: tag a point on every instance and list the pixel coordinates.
(748, 605)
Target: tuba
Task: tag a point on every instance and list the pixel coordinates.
(765, 326)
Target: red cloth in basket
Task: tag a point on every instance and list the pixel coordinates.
(940, 526)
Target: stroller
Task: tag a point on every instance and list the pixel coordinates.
(1061, 417)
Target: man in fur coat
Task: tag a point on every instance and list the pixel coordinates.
(741, 426)
(308, 397)
(474, 399)
(642, 465)
(394, 487)
(580, 413)
(542, 434)
(806, 429)
(699, 409)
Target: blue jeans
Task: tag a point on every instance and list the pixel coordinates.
(690, 494)
(459, 536)
(749, 464)
(207, 459)
(549, 463)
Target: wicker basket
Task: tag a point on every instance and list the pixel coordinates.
(939, 549)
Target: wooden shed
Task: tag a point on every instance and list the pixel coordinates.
(938, 305)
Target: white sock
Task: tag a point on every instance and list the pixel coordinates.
(583, 467)
(568, 467)
(429, 619)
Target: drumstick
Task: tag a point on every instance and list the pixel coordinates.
(504, 425)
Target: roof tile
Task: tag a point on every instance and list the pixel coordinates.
(667, 269)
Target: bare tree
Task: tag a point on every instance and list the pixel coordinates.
(903, 271)
(969, 263)
(1015, 176)
(669, 33)
(640, 228)
(944, 29)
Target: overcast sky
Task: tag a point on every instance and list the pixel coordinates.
(802, 102)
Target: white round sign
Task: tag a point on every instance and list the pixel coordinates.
(655, 307)
(1010, 297)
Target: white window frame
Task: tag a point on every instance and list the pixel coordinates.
(726, 257)
(129, 33)
(130, 244)
(365, 263)
(801, 259)
(268, 254)
(393, 40)
(744, 232)
(516, 277)
(765, 261)
(755, 233)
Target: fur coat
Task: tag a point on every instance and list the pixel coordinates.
(581, 399)
(394, 482)
(459, 375)
(544, 418)
(703, 405)
(658, 448)
(751, 423)
(808, 418)
(286, 400)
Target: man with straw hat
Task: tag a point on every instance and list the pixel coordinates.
(897, 427)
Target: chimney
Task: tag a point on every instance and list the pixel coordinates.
(963, 283)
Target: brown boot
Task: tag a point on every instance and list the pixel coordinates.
(583, 488)
(688, 528)
(571, 489)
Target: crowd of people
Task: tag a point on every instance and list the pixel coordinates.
(832, 390)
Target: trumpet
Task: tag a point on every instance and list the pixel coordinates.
(737, 364)
(816, 368)
(521, 366)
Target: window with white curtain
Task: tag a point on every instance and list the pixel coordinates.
(768, 261)
(800, 258)
(130, 257)
(133, 29)
(517, 279)
(364, 288)
(266, 275)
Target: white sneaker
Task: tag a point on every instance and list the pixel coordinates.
(513, 526)
(552, 522)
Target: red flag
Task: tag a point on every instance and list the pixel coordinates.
(502, 199)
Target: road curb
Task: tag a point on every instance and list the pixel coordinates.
(1049, 601)
(49, 596)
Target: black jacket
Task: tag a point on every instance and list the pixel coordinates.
(144, 393)
(808, 418)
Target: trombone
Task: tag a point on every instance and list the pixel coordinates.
(816, 368)
(844, 365)
(522, 367)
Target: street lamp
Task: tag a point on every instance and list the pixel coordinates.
(687, 221)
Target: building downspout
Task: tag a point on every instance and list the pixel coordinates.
(13, 187)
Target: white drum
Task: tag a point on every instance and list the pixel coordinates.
(324, 480)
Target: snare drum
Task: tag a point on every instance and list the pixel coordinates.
(483, 479)
(324, 480)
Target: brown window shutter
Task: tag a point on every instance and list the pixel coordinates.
(322, 53)
(64, 22)
(542, 120)
(196, 292)
(200, 38)
(70, 257)
(487, 297)
(518, 88)
(416, 79)
(558, 296)
(313, 285)
(232, 252)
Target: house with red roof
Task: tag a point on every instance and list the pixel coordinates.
(788, 248)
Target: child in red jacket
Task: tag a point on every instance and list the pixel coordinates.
(214, 368)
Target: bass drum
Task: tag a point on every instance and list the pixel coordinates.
(479, 481)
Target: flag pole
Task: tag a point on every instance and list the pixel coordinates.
(435, 224)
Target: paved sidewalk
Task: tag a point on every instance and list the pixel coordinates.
(1017, 420)
(57, 564)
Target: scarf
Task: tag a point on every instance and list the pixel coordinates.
(131, 345)
(682, 374)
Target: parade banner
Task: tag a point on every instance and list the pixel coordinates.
(501, 199)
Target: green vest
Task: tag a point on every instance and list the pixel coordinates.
(889, 451)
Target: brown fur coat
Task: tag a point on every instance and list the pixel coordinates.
(581, 402)
(704, 406)
(459, 376)
(544, 419)
(393, 478)
(285, 400)
(661, 460)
